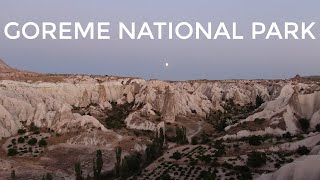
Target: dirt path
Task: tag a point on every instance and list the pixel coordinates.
(193, 133)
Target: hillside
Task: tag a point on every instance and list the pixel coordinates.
(230, 125)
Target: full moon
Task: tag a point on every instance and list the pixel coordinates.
(167, 64)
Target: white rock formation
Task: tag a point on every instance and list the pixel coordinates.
(50, 105)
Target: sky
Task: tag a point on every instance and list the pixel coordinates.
(187, 59)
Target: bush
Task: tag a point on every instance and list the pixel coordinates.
(318, 127)
(33, 127)
(255, 140)
(259, 121)
(22, 131)
(21, 140)
(304, 124)
(32, 141)
(303, 150)
(176, 155)
(12, 152)
(42, 143)
(220, 125)
(194, 141)
(259, 101)
(130, 165)
(256, 159)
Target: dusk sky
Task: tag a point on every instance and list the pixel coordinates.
(188, 59)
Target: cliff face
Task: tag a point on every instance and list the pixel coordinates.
(81, 109)
(51, 105)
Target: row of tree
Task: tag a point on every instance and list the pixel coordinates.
(97, 167)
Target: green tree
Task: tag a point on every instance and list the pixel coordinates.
(256, 159)
(176, 155)
(304, 124)
(42, 143)
(98, 163)
(118, 161)
(33, 127)
(151, 151)
(181, 135)
(32, 141)
(259, 101)
(194, 140)
(22, 131)
(255, 140)
(21, 140)
(303, 150)
(318, 127)
(78, 171)
(220, 125)
(130, 165)
(12, 152)
(161, 137)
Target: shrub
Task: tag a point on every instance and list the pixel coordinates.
(220, 125)
(259, 120)
(303, 150)
(304, 124)
(318, 127)
(255, 140)
(21, 140)
(256, 159)
(130, 165)
(33, 127)
(32, 141)
(42, 143)
(259, 101)
(12, 152)
(176, 155)
(22, 131)
(194, 141)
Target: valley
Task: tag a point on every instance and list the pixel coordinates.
(152, 129)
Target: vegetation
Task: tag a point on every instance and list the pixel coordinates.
(97, 165)
(43, 143)
(116, 117)
(33, 127)
(303, 150)
(78, 171)
(194, 140)
(32, 141)
(12, 152)
(161, 137)
(318, 127)
(255, 140)
(259, 101)
(118, 161)
(220, 125)
(259, 121)
(181, 135)
(176, 155)
(22, 131)
(256, 159)
(154, 150)
(21, 140)
(130, 164)
(304, 124)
